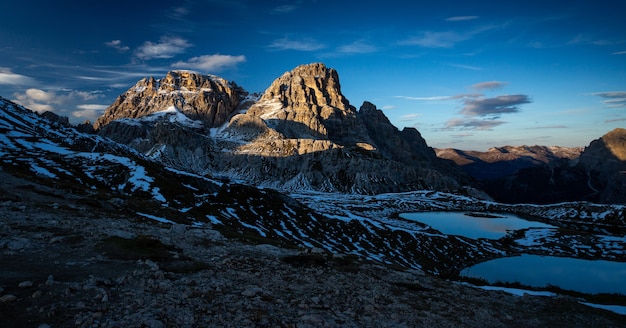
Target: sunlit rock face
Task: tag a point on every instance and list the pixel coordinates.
(206, 98)
(605, 161)
(301, 134)
(307, 102)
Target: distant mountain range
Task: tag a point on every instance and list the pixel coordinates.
(498, 162)
(539, 174)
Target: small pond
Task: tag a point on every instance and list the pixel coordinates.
(568, 273)
(473, 225)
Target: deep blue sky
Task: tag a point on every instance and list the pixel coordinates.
(466, 74)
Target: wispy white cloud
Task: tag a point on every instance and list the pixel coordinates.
(615, 120)
(589, 39)
(441, 98)
(358, 47)
(489, 85)
(469, 67)
(619, 53)
(409, 117)
(41, 100)
(547, 127)
(443, 39)
(167, 47)
(210, 63)
(92, 107)
(429, 39)
(89, 112)
(7, 77)
(117, 44)
(299, 45)
(613, 99)
(460, 18)
(179, 13)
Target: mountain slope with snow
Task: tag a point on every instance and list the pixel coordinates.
(301, 134)
(101, 172)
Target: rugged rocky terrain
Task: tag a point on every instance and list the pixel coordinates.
(67, 262)
(301, 134)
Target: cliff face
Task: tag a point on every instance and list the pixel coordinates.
(206, 98)
(301, 134)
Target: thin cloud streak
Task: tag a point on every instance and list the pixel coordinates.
(429, 39)
(469, 67)
(489, 85)
(614, 99)
(210, 63)
(547, 127)
(284, 9)
(442, 39)
(441, 98)
(299, 45)
(460, 18)
(409, 117)
(472, 124)
(357, 47)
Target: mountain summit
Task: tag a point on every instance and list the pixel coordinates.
(207, 98)
(302, 133)
(307, 103)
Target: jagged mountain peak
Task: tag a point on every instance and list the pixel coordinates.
(207, 98)
(307, 102)
(313, 86)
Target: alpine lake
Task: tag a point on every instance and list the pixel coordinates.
(579, 275)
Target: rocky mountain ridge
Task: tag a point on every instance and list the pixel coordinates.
(596, 175)
(498, 162)
(302, 134)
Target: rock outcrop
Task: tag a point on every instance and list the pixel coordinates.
(206, 98)
(302, 133)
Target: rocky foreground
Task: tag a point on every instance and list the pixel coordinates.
(64, 265)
